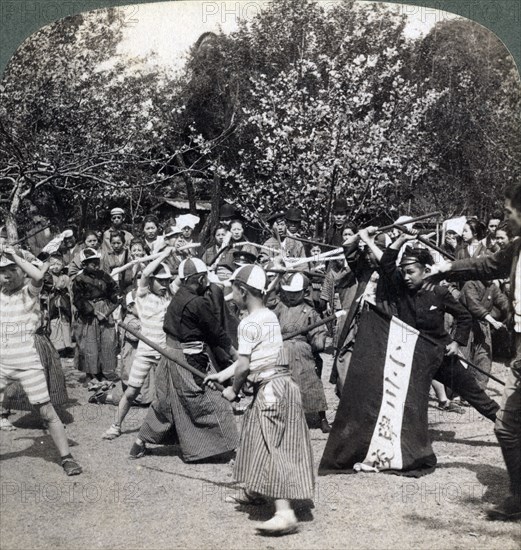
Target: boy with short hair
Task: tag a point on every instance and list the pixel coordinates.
(152, 300)
(19, 360)
(274, 459)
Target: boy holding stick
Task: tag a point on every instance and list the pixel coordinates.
(274, 459)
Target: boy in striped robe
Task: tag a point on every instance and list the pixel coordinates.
(274, 460)
(19, 360)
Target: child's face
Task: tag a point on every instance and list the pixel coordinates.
(117, 220)
(237, 297)
(11, 278)
(91, 266)
(451, 240)
(176, 241)
(293, 227)
(347, 232)
(91, 241)
(502, 238)
(413, 275)
(159, 286)
(315, 251)
(492, 225)
(187, 232)
(467, 234)
(55, 266)
(117, 244)
(280, 225)
(371, 258)
(219, 236)
(150, 230)
(131, 308)
(137, 251)
(292, 298)
(69, 242)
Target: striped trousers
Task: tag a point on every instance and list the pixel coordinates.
(275, 457)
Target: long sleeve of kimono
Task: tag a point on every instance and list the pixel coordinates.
(486, 267)
(317, 336)
(112, 293)
(462, 317)
(500, 301)
(79, 293)
(214, 333)
(472, 296)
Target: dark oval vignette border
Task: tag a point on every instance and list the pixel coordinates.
(20, 18)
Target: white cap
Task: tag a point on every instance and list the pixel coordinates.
(251, 275)
(171, 230)
(295, 283)
(4, 261)
(116, 211)
(191, 266)
(89, 254)
(187, 220)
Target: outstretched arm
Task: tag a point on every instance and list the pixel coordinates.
(367, 235)
(152, 266)
(28, 268)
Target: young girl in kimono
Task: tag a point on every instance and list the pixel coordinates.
(96, 296)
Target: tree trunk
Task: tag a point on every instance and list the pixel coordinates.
(11, 228)
(10, 220)
(190, 191)
(205, 236)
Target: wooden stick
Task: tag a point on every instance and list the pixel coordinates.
(167, 353)
(310, 241)
(384, 228)
(118, 270)
(308, 273)
(412, 220)
(428, 243)
(30, 235)
(480, 370)
(307, 329)
(436, 343)
(319, 258)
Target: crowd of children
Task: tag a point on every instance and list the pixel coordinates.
(247, 315)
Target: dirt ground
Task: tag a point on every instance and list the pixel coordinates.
(161, 502)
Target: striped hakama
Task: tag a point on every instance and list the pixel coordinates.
(16, 399)
(275, 456)
(184, 412)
